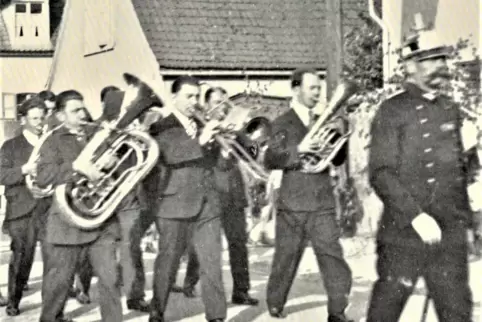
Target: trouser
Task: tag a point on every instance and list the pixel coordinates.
(234, 226)
(60, 264)
(23, 232)
(293, 231)
(444, 269)
(204, 233)
(133, 225)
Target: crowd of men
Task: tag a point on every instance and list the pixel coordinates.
(417, 168)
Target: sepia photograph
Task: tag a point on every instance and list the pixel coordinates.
(240, 160)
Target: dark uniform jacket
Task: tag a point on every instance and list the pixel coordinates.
(186, 170)
(13, 155)
(299, 191)
(417, 165)
(57, 154)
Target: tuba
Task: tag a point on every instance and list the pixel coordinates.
(246, 139)
(325, 139)
(37, 192)
(88, 204)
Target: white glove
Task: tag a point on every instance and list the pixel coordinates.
(427, 228)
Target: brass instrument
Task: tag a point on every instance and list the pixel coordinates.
(246, 140)
(88, 204)
(36, 191)
(325, 139)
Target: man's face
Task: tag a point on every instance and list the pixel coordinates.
(308, 93)
(34, 120)
(187, 98)
(433, 72)
(215, 106)
(74, 113)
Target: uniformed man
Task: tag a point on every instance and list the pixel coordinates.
(416, 168)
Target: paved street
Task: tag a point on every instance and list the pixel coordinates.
(307, 301)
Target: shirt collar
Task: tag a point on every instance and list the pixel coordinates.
(31, 138)
(302, 111)
(183, 119)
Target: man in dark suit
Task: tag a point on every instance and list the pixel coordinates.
(65, 244)
(230, 186)
(188, 204)
(131, 267)
(23, 212)
(306, 207)
(417, 169)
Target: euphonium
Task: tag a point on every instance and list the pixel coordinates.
(246, 141)
(36, 191)
(325, 138)
(88, 204)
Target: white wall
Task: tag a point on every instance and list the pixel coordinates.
(89, 74)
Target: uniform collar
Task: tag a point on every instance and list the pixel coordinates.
(415, 90)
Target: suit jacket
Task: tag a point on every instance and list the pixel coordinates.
(13, 155)
(231, 188)
(55, 167)
(185, 173)
(417, 165)
(299, 191)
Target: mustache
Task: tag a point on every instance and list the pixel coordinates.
(442, 73)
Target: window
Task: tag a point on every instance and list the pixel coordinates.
(20, 8)
(21, 19)
(35, 8)
(98, 26)
(9, 107)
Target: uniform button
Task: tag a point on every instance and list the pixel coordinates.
(423, 121)
(429, 165)
(427, 150)
(426, 135)
(430, 180)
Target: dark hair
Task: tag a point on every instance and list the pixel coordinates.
(66, 96)
(184, 80)
(47, 96)
(211, 91)
(31, 103)
(297, 76)
(106, 90)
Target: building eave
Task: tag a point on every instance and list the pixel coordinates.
(27, 53)
(231, 72)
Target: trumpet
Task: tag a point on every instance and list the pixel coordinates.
(325, 139)
(36, 191)
(247, 144)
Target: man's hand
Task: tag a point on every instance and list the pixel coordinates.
(29, 169)
(108, 161)
(88, 170)
(427, 228)
(208, 132)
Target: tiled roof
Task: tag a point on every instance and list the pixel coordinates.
(238, 34)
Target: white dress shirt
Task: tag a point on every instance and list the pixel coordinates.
(31, 138)
(304, 113)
